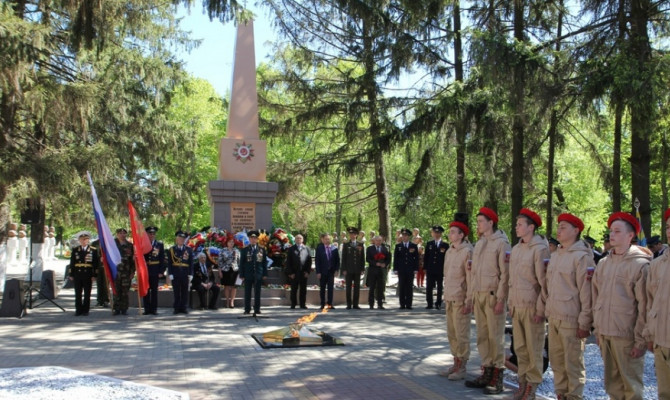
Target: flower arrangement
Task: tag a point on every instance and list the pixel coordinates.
(379, 256)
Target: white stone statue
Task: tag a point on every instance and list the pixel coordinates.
(23, 245)
(12, 244)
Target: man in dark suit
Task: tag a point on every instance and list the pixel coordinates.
(433, 264)
(405, 264)
(353, 265)
(203, 282)
(298, 267)
(378, 258)
(254, 268)
(180, 269)
(155, 260)
(327, 264)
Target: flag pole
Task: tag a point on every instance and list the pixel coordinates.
(139, 301)
(111, 298)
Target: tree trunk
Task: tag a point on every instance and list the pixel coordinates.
(553, 136)
(370, 88)
(616, 159)
(518, 123)
(642, 109)
(37, 240)
(461, 124)
(338, 204)
(665, 158)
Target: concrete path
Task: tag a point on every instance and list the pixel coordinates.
(389, 354)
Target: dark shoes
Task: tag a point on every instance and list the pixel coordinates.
(357, 308)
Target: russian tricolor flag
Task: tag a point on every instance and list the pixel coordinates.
(110, 253)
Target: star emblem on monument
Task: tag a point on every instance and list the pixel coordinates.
(243, 152)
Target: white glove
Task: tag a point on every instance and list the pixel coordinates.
(190, 278)
(171, 277)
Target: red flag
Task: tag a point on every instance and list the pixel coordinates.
(142, 246)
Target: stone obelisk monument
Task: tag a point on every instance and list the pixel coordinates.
(241, 198)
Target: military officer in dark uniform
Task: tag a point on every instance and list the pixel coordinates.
(180, 269)
(254, 270)
(124, 272)
(378, 258)
(298, 268)
(155, 260)
(406, 264)
(84, 263)
(353, 265)
(433, 263)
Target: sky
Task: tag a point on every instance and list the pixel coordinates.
(213, 59)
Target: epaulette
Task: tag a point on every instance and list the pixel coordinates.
(93, 248)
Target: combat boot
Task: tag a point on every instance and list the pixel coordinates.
(529, 393)
(520, 391)
(495, 384)
(482, 380)
(451, 369)
(460, 372)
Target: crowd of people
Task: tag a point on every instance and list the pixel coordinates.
(557, 290)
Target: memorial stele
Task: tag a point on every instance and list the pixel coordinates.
(241, 198)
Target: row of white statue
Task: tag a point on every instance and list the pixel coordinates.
(17, 251)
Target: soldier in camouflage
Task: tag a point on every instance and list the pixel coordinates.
(124, 272)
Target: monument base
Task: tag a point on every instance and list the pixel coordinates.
(238, 205)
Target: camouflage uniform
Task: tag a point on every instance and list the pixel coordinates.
(124, 276)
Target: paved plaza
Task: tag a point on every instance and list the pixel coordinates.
(389, 354)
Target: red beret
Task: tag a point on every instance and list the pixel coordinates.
(460, 226)
(572, 220)
(624, 216)
(666, 215)
(532, 215)
(488, 213)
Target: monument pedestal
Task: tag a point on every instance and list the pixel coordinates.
(238, 205)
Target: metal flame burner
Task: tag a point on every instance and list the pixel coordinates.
(297, 334)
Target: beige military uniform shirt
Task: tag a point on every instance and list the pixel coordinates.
(527, 275)
(490, 266)
(658, 301)
(457, 271)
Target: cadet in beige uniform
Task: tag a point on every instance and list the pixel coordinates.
(658, 315)
(569, 307)
(527, 294)
(456, 282)
(619, 309)
(488, 295)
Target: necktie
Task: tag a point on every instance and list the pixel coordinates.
(328, 253)
(204, 269)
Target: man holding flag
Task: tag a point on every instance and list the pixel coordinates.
(125, 272)
(155, 261)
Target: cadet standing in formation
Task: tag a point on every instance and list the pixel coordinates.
(433, 264)
(124, 272)
(657, 330)
(84, 263)
(457, 280)
(527, 296)
(406, 264)
(180, 269)
(155, 260)
(619, 308)
(488, 295)
(568, 307)
(353, 265)
(254, 270)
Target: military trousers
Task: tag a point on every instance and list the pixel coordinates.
(490, 330)
(433, 281)
(82, 283)
(180, 286)
(406, 289)
(528, 344)
(151, 299)
(623, 373)
(662, 363)
(122, 286)
(102, 288)
(355, 280)
(254, 284)
(566, 354)
(458, 329)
